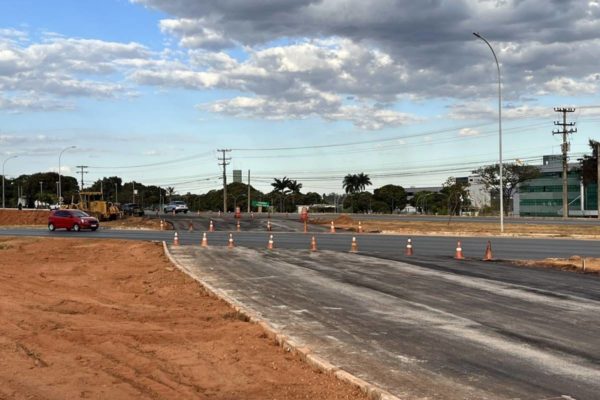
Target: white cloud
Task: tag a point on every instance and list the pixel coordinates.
(468, 132)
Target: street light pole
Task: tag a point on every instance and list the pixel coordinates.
(59, 180)
(4, 163)
(499, 129)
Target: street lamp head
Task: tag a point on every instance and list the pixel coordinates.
(477, 34)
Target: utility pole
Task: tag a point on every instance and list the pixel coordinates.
(224, 162)
(565, 149)
(82, 171)
(248, 191)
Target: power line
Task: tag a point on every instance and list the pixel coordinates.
(224, 162)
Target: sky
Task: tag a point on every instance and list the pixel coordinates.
(313, 90)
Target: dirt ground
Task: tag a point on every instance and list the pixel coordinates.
(114, 320)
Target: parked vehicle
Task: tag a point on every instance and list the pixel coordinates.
(132, 209)
(71, 220)
(177, 207)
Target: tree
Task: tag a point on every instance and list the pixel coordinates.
(350, 183)
(355, 183)
(457, 196)
(362, 181)
(170, 192)
(280, 189)
(513, 175)
(393, 196)
(294, 188)
(589, 164)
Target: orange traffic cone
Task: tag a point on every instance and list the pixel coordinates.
(459, 253)
(409, 248)
(204, 242)
(191, 227)
(237, 226)
(211, 226)
(230, 244)
(198, 212)
(354, 246)
(360, 228)
(305, 227)
(174, 213)
(176, 240)
(488, 252)
(332, 229)
(313, 244)
(162, 225)
(269, 225)
(270, 244)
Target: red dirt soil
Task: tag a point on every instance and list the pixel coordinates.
(24, 217)
(115, 320)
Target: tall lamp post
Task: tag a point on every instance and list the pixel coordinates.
(59, 180)
(4, 163)
(499, 129)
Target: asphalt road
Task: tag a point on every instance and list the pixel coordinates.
(434, 328)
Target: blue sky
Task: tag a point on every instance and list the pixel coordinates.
(150, 89)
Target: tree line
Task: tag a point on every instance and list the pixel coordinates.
(285, 196)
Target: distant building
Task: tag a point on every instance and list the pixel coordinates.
(237, 176)
(478, 193)
(542, 197)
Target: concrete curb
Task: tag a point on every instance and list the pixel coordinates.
(373, 392)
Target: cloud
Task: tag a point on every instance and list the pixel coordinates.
(43, 76)
(432, 44)
(468, 132)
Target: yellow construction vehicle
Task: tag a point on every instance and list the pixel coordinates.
(93, 204)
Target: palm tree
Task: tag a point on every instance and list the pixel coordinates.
(281, 187)
(170, 192)
(294, 187)
(362, 181)
(350, 183)
(355, 183)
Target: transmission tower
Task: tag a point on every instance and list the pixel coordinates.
(566, 129)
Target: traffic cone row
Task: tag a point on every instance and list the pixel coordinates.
(458, 255)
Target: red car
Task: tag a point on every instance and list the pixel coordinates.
(71, 219)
